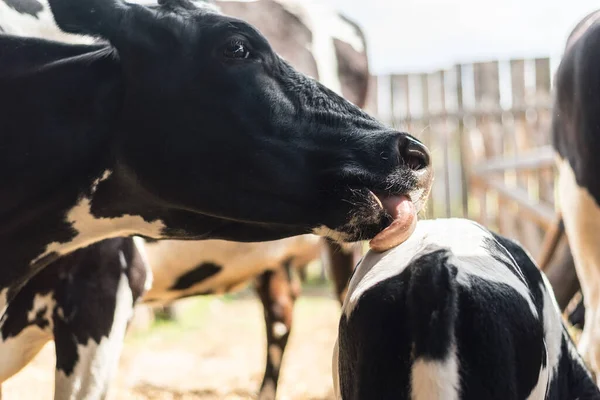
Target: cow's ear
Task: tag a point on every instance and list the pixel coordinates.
(102, 18)
(127, 26)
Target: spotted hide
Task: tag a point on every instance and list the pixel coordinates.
(455, 312)
(83, 301)
(575, 136)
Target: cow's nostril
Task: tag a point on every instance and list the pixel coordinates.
(414, 154)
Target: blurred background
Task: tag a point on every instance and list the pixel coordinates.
(473, 80)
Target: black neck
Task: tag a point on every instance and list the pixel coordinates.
(59, 105)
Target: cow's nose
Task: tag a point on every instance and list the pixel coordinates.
(414, 153)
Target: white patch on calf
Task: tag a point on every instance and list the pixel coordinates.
(436, 380)
(98, 362)
(469, 253)
(553, 327)
(91, 229)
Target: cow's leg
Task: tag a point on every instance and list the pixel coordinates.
(94, 305)
(88, 348)
(278, 290)
(581, 215)
(341, 264)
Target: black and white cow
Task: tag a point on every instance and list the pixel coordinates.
(277, 289)
(187, 126)
(455, 312)
(576, 138)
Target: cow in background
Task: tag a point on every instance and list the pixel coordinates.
(575, 137)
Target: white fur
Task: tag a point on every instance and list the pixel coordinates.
(3, 301)
(140, 244)
(98, 361)
(436, 380)
(279, 329)
(43, 26)
(463, 237)
(40, 301)
(91, 229)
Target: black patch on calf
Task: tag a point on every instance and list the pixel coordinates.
(499, 340)
(30, 7)
(416, 307)
(431, 303)
(195, 276)
(571, 380)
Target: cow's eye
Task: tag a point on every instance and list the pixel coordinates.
(236, 49)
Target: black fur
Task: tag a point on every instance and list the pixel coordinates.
(196, 275)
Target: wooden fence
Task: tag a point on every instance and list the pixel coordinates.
(488, 127)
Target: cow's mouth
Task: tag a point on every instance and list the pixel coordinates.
(403, 212)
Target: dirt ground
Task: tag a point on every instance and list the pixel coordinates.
(216, 351)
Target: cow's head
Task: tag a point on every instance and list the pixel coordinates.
(221, 137)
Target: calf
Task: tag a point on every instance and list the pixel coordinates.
(455, 312)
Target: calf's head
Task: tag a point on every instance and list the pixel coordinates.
(218, 136)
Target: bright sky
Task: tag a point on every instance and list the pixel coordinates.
(422, 35)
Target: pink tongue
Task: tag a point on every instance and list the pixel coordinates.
(396, 206)
(403, 211)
